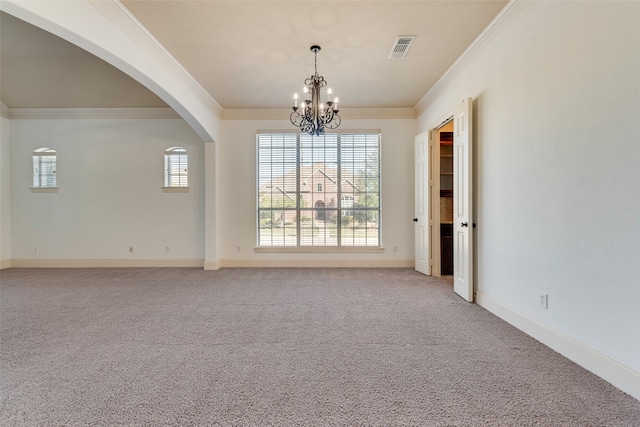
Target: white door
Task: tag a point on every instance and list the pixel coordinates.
(463, 202)
(422, 197)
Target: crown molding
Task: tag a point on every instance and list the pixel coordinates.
(168, 113)
(379, 113)
(350, 113)
(92, 113)
(509, 15)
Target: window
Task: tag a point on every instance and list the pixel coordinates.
(347, 202)
(44, 168)
(318, 190)
(176, 167)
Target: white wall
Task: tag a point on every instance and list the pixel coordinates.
(5, 193)
(558, 188)
(236, 177)
(110, 174)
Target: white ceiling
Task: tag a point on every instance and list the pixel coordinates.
(254, 54)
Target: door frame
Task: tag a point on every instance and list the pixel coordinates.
(435, 195)
(434, 142)
(464, 111)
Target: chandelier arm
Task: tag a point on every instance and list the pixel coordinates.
(296, 118)
(335, 122)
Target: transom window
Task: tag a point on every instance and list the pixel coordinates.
(176, 167)
(44, 168)
(319, 190)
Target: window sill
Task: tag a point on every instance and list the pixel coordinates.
(44, 189)
(175, 189)
(319, 249)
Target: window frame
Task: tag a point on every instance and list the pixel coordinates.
(178, 179)
(368, 226)
(42, 159)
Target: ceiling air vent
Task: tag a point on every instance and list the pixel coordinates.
(401, 47)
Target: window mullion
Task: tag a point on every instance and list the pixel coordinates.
(339, 190)
(298, 210)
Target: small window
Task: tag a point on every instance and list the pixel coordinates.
(346, 203)
(44, 168)
(176, 167)
(319, 187)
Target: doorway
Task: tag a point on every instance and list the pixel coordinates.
(443, 199)
(446, 198)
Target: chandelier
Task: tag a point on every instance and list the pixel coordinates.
(313, 116)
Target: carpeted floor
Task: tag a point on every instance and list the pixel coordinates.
(283, 347)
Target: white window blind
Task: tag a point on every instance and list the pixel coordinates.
(176, 167)
(319, 190)
(44, 168)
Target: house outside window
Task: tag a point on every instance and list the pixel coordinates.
(318, 190)
(44, 168)
(176, 167)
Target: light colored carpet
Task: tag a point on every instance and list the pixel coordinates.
(284, 347)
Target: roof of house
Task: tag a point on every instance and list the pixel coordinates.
(308, 175)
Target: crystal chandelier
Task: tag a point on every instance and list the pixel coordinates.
(313, 116)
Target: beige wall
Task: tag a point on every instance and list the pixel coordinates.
(556, 181)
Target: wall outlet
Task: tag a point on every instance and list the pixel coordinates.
(167, 249)
(131, 249)
(238, 249)
(395, 249)
(543, 300)
(36, 249)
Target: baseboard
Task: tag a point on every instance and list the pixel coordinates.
(207, 265)
(619, 375)
(5, 263)
(105, 263)
(316, 263)
(211, 265)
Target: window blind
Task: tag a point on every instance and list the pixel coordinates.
(318, 190)
(176, 164)
(44, 168)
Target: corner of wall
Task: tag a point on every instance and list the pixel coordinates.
(212, 265)
(5, 191)
(4, 110)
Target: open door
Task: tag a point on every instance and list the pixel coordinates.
(422, 197)
(463, 202)
(427, 203)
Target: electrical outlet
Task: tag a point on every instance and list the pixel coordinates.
(395, 249)
(131, 249)
(167, 249)
(543, 300)
(36, 249)
(238, 249)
